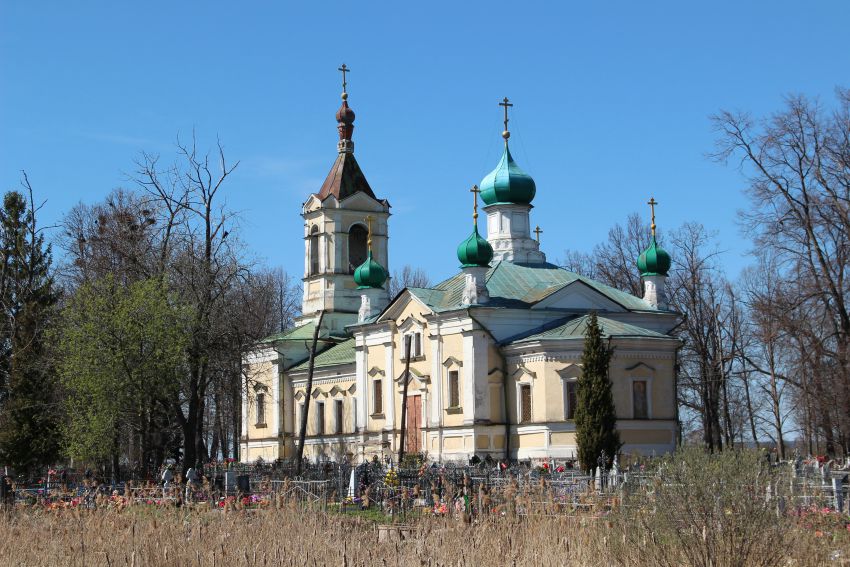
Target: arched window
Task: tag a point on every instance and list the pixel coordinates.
(314, 250)
(261, 408)
(357, 246)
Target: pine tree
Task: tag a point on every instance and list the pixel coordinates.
(29, 416)
(595, 415)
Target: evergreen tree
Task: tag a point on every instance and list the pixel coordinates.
(29, 414)
(595, 415)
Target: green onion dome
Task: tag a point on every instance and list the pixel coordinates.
(475, 251)
(370, 274)
(507, 183)
(654, 261)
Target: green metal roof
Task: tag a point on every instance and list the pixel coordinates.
(342, 353)
(475, 250)
(304, 332)
(508, 183)
(577, 327)
(654, 261)
(520, 286)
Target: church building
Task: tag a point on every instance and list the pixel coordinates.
(494, 351)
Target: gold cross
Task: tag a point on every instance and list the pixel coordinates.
(368, 220)
(475, 191)
(652, 202)
(538, 231)
(344, 70)
(506, 103)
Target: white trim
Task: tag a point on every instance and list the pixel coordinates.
(259, 355)
(519, 384)
(436, 417)
(389, 399)
(276, 405)
(565, 382)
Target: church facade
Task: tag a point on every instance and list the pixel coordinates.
(493, 352)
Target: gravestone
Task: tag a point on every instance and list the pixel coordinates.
(838, 493)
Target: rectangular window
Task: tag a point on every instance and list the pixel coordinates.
(639, 400)
(377, 397)
(572, 399)
(525, 403)
(415, 345)
(454, 389)
(261, 408)
(299, 417)
(339, 415)
(320, 418)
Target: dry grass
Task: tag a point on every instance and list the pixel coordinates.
(289, 536)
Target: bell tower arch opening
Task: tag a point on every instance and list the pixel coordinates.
(314, 251)
(357, 246)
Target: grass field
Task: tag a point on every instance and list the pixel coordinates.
(293, 536)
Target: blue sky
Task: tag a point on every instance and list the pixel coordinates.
(612, 105)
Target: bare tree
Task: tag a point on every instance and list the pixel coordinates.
(613, 262)
(796, 164)
(302, 430)
(408, 277)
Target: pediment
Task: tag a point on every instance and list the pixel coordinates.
(375, 371)
(314, 203)
(300, 395)
(450, 361)
(398, 306)
(361, 201)
(570, 371)
(337, 390)
(418, 381)
(410, 323)
(522, 370)
(414, 374)
(640, 367)
(578, 296)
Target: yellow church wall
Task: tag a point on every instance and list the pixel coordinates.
(376, 357)
(625, 370)
(322, 394)
(531, 440)
(452, 348)
(646, 436)
(264, 375)
(563, 438)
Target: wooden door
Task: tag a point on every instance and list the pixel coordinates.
(413, 443)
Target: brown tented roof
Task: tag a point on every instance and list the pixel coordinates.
(345, 179)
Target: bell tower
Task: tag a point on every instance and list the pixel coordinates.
(336, 232)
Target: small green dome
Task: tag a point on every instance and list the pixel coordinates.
(474, 251)
(507, 183)
(370, 274)
(654, 261)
